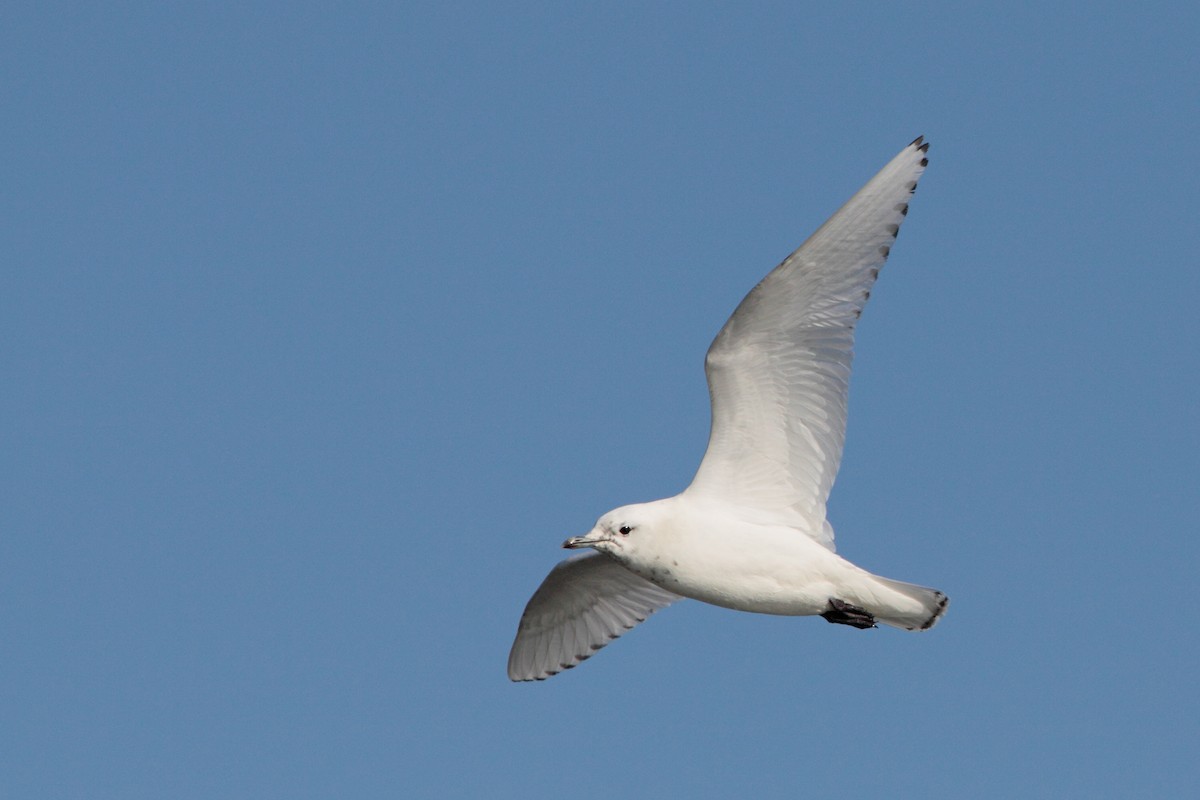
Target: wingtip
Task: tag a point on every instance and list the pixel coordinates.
(943, 602)
(920, 144)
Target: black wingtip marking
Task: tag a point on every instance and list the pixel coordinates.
(903, 209)
(924, 162)
(941, 609)
(912, 186)
(894, 230)
(884, 250)
(917, 141)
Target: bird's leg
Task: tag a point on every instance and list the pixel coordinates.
(843, 613)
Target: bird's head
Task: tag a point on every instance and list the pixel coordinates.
(619, 532)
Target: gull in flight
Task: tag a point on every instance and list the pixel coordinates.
(750, 532)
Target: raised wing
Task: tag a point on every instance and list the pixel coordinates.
(584, 603)
(779, 371)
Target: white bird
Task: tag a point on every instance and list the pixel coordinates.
(750, 532)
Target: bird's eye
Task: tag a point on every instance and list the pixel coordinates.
(624, 530)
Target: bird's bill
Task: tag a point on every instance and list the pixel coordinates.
(577, 542)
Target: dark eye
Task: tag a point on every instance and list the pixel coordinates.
(624, 530)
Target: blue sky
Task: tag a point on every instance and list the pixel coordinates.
(322, 328)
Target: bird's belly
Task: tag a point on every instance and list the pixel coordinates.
(794, 584)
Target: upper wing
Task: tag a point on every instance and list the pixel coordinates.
(584, 603)
(779, 371)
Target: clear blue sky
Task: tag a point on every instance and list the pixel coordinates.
(321, 328)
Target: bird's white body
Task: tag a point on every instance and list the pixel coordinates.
(698, 549)
(750, 531)
(707, 550)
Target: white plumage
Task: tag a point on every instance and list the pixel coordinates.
(750, 532)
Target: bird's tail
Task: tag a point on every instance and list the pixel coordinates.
(918, 608)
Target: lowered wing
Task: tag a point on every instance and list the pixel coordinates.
(583, 604)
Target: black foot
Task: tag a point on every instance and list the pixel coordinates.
(843, 613)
